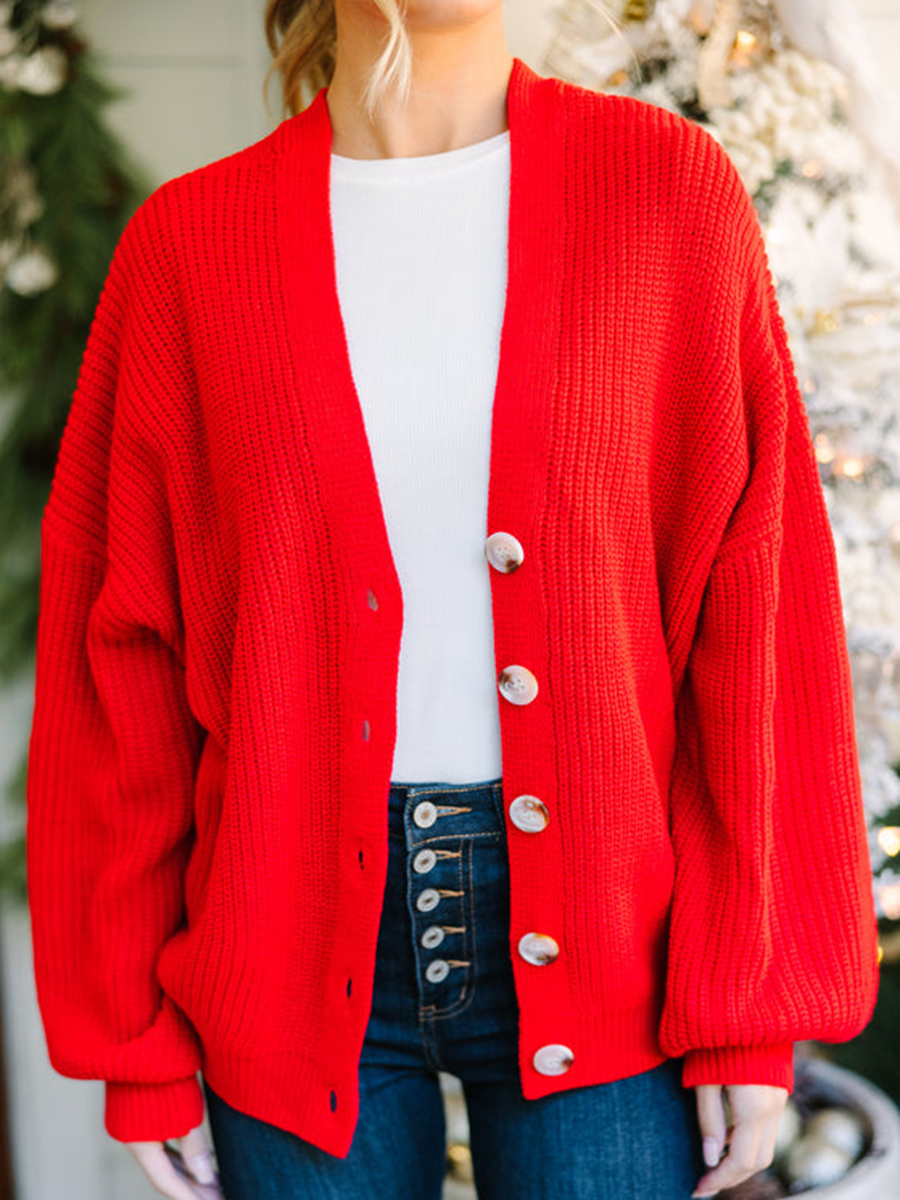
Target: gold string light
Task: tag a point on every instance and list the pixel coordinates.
(744, 50)
(889, 894)
(824, 447)
(850, 465)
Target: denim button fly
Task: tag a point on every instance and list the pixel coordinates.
(454, 834)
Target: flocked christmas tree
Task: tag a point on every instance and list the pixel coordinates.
(67, 188)
(790, 89)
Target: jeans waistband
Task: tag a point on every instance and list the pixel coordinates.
(426, 812)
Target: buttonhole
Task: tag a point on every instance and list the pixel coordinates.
(349, 986)
(332, 1100)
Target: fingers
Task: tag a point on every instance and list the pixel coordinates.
(163, 1166)
(756, 1109)
(197, 1154)
(711, 1118)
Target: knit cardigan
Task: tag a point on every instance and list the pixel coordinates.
(220, 620)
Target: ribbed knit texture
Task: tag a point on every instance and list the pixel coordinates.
(215, 696)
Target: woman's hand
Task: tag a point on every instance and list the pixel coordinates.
(756, 1109)
(163, 1167)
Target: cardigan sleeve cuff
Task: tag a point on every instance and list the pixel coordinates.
(771, 1064)
(152, 1112)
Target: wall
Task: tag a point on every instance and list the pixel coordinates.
(193, 69)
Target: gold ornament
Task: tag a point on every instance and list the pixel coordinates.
(826, 320)
(637, 10)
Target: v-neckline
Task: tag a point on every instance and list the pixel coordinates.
(326, 394)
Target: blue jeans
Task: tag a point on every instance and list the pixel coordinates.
(444, 1000)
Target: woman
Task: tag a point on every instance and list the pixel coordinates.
(444, 426)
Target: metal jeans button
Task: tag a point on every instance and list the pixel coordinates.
(427, 900)
(424, 861)
(425, 814)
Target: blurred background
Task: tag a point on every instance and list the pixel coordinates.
(102, 100)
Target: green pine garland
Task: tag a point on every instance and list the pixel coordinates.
(67, 189)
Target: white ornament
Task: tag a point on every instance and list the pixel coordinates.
(44, 71)
(59, 14)
(839, 1128)
(31, 273)
(813, 1162)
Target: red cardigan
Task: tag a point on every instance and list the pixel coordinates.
(215, 694)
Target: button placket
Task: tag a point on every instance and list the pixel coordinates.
(518, 685)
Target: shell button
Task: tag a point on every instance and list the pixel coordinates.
(504, 552)
(538, 948)
(517, 684)
(553, 1059)
(529, 814)
(437, 970)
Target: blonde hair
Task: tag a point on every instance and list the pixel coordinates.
(302, 38)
